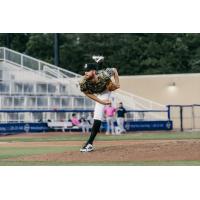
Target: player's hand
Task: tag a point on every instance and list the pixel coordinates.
(106, 102)
(112, 86)
(117, 86)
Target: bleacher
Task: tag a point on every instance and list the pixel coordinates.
(33, 91)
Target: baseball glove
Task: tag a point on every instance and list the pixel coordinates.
(111, 86)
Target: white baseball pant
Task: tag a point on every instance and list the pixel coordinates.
(99, 108)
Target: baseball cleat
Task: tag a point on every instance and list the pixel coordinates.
(87, 148)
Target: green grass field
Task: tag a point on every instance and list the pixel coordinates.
(8, 152)
(136, 136)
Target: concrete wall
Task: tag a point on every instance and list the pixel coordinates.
(160, 88)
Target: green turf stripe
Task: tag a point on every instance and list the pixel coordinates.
(136, 136)
(12, 152)
(130, 163)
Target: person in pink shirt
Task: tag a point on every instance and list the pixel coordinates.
(75, 120)
(109, 112)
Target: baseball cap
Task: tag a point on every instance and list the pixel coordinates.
(90, 66)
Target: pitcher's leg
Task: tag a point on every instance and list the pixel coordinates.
(98, 117)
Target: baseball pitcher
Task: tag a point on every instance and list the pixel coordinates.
(97, 85)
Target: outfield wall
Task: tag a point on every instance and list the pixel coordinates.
(14, 128)
(174, 89)
(181, 89)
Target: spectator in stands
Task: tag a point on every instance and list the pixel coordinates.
(90, 119)
(84, 125)
(121, 117)
(75, 121)
(109, 112)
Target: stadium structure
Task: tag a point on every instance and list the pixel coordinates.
(29, 88)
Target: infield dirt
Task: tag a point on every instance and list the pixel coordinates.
(114, 151)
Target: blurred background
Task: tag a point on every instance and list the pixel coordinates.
(132, 54)
(159, 75)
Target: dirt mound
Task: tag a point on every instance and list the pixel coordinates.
(115, 151)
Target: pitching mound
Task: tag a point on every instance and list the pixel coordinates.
(123, 151)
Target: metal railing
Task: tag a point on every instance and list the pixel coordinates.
(33, 63)
(43, 115)
(139, 102)
(34, 88)
(52, 72)
(48, 102)
(41, 68)
(185, 117)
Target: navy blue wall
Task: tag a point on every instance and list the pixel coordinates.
(13, 128)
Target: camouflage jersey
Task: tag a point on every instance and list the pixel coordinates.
(104, 77)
